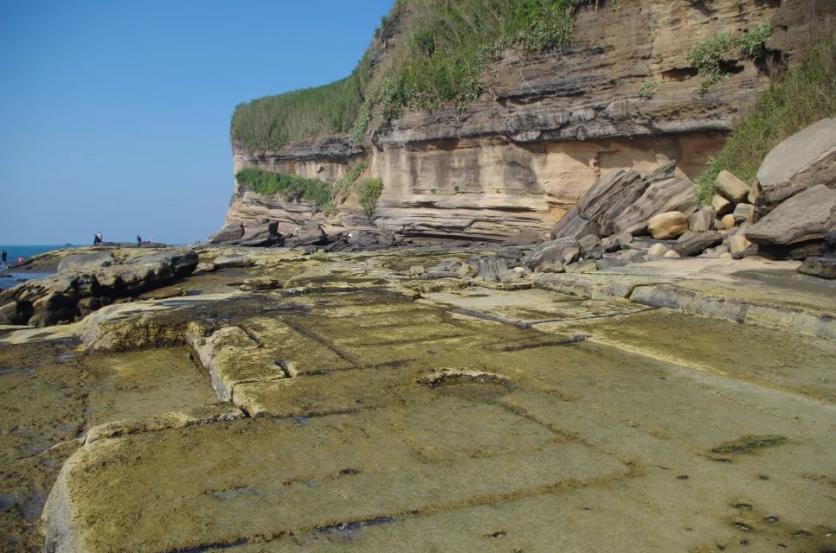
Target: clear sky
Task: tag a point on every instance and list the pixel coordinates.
(114, 114)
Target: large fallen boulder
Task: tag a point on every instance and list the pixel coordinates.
(672, 194)
(309, 234)
(693, 243)
(804, 160)
(804, 218)
(608, 198)
(263, 236)
(229, 234)
(82, 287)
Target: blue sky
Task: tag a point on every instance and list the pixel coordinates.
(114, 115)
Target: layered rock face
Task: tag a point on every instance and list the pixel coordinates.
(624, 96)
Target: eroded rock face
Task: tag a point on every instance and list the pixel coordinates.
(547, 128)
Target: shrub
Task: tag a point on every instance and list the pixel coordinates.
(368, 194)
(752, 43)
(648, 89)
(795, 100)
(342, 186)
(289, 186)
(706, 57)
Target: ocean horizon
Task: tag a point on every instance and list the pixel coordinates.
(15, 251)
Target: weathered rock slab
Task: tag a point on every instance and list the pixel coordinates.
(807, 216)
(804, 160)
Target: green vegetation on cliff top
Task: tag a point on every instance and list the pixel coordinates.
(293, 187)
(437, 60)
(796, 99)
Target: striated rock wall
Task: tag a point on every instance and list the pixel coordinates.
(547, 127)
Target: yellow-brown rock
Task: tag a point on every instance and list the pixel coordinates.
(668, 225)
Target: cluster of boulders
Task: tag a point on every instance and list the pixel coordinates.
(505, 266)
(87, 282)
(267, 235)
(310, 235)
(786, 213)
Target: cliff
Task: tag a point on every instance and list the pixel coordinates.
(626, 92)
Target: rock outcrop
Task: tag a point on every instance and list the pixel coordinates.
(545, 129)
(806, 159)
(88, 282)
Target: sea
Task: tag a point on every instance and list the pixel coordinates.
(10, 277)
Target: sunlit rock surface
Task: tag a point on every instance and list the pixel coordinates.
(675, 405)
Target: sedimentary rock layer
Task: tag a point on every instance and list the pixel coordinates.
(546, 127)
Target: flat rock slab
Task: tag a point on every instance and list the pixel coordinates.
(362, 417)
(223, 483)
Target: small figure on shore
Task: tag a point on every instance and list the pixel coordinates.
(4, 256)
(97, 239)
(138, 240)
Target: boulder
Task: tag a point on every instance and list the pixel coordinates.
(262, 236)
(804, 160)
(309, 234)
(671, 254)
(564, 250)
(616, 241)
(673, 194)
(701, 220)
(229, 234)
(657, 250)
(727, 222)
(820, 266)
(591, 247)
(731, 187)
(179, 262)
(721, 205)
(667, 225)
(740, 247)
(694, 243)
(744, 213)
(807, 216)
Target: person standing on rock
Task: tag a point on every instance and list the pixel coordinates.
(4, 256)
(138, 240)
(97, 238)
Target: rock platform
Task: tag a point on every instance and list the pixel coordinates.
(365, 405)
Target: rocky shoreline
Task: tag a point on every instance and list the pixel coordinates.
(263, 386)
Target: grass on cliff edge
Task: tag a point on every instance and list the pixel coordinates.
(437, 60)
(293, 187)
(796, 99)
(289, 186)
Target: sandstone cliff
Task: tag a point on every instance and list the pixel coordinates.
(545, 127)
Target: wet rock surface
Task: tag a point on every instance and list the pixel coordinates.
(471, 404)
